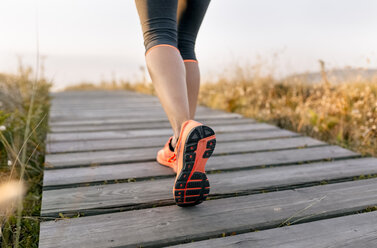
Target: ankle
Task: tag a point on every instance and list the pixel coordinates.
(173, 142)
(175, 138)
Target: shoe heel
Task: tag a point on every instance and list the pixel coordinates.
(192, 185)
(195, 190)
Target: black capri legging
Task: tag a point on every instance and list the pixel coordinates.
(172, 23)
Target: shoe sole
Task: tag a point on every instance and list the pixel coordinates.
(191, 186)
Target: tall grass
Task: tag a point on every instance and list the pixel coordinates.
(342, 113)
(24, 105)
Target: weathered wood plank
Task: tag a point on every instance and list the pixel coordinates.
(82, 175)
(94, 199)
(118, 104)
(150, 169)
(140, 119)
(148, 110)
(158, 141)
(352, 231)
(171, 225)
(148, 154)
(89, 116)
(54, 137)
(228, 162)
(140, 125)
(87, 102)
(95, 95)
(116, 107)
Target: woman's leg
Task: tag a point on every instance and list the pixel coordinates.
(163, 59)
(167, 71)
(190, 15)
(193, 85)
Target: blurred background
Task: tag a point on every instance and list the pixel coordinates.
(94, 40)
(305, 66)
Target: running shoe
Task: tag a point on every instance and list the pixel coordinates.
(166, 156)
(195, 145)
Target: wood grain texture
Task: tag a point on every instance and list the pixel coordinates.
(141, 125)
(96, 198)
(133, 115)
(116, 107)
(139, 119)
(149, 154)
(104, 135)
(152, 110)
(355, 231)
(148, 169)
(170, 225)
(157, 141)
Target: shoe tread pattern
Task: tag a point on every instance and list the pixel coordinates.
(194, 189)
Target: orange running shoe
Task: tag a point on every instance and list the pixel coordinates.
(195, 145)
(166, 156)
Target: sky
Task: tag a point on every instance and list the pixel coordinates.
(94, 40)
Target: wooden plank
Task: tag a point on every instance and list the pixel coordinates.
(352, 231)
(107, 104)
(149, 154)
(82, 175)
(114, 107)
(138, 118)
(95, 95)
(94, 199)
(139, 125)
(90, 116)
(236, 161)
(224, 163)
(104, 112)
(172, 225)
(54, 137)
(78, 104)
(125, 120)
(158, 141)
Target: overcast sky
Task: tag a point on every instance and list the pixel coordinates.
(101, 39)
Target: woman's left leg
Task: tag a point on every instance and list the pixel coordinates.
(190, 15)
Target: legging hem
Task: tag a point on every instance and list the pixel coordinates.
(159, 45)
(190, 60)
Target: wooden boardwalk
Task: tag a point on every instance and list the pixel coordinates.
(101, 173)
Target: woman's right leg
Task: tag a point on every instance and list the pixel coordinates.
(164, 62)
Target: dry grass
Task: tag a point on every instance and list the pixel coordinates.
(343, 113)
(24, 104)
